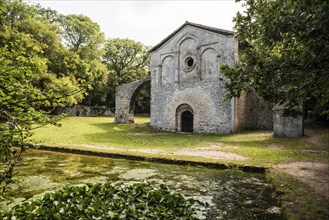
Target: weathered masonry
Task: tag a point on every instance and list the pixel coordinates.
(125, 96)
(188, 89)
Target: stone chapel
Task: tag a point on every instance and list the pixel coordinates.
(188, 88)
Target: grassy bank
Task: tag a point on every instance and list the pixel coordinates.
(297, 199)
(258, 148)
(101, 134)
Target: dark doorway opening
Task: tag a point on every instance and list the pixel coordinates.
(187, 121)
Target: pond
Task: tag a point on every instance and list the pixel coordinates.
(232, 194)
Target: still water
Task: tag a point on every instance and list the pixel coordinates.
(232, 194)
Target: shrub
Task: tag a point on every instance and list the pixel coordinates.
(108, 201)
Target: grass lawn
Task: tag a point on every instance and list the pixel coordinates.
(101, 134)
(298, 198)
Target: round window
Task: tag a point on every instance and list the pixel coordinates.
(189, 64)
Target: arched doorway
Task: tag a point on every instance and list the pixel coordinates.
(184, 118)
(187, 121)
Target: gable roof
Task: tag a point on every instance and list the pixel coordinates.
(204, 27)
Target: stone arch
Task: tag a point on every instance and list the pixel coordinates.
(203, 106)
(209, 64)
(187, 51)
(167, 70)
(184, 118)
(183, 39)
(186, 42)
(125, 96)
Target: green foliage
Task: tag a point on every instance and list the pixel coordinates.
(285, 52)
(60, 68)
(37, 74)
(108, 201)
(126, 61)
(22, 105)
(82, 35)
(83, 38)
(143, 100)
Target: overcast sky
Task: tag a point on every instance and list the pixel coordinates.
(148, 21)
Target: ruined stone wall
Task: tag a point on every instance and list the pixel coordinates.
(186, 70)
(251, 113)
(125, 96)
(260, 115)
(81, 110)
(240, 112)
(291, 127)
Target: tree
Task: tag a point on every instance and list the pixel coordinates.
(72, 46)
(83, 37)
(22, 105)
(63, 68)
(29, 89)
(126, 61)
(285, 55)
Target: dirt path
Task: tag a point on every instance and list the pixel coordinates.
(212, 152)
(316, 175)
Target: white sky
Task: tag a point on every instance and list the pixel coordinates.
(148, 21)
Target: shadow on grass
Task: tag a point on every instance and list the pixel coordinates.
(141, 135)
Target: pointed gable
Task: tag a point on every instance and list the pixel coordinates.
(204, 27)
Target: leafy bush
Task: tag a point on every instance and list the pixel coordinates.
(108, 201)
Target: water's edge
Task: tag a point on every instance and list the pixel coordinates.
(230, 193)
(245, 168)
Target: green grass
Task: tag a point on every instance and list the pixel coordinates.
(101, 134)
(298, 200)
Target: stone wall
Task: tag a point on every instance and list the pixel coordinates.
(212, 114)
(251, 113)
(287, 126)
(186, 71)
(125, 96)
(80, 110)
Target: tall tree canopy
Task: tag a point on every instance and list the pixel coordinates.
(37, 74)
(83, 37)
(285, 55)
(126, 61)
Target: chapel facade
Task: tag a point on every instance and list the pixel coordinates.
(188, 89)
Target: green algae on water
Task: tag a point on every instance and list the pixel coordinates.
(231, 194)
